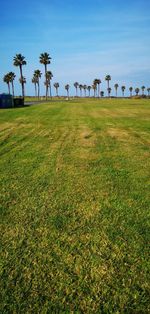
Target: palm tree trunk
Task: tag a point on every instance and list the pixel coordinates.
(35, 90)
(108, 87)
(12, 85)
(116, 92)
(22, 83)
(50, 89)
(47, 89)
(45, 80)
(98, 90)
(76, 92)
(8, 88)
(38, 89)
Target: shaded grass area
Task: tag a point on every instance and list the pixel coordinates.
(75, 207)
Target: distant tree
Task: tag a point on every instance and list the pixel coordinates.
(56, 85)
(109, 91)
(137, 91)
(148, 91)
(35, 81)
(85, 88)
(45, 59)
(48, 79)
(19, 61)
(38, 74)
(46, 83)
(123, 89)
(108, 78)
(97, 82)
(102, 94)
(67, 89)
(12, 78)
(6, 79)
(131, 89)
(80, 87)
(89, 89)
(143, 88)
(22, 81)
(116, 88)
(76, 85)
(94, 86)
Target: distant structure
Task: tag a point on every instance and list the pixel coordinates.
(6, 101)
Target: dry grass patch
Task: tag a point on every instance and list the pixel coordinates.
(85, 144)
(118, 133)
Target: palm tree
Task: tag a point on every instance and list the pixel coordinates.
(148, 90)
(56, 85)
(94, 89)
(76, 84)
(34, 81)
(19, 61)
(46, 83)
(89, 89)
(49, 76)
(85, 88)
(97, 82)
(80, 87)
(108, 78)
(109, 91)
(102, 94)
(67, 89)
(123, 89)
(38, 74)
(22, 81)
(6, 79)
(137, 91)
(143, 88)
(45, 59)
(116, 88)
(12, 77)
(130, 89)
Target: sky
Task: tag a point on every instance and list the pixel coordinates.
(85, 39)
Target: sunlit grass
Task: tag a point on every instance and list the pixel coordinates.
(75, 207)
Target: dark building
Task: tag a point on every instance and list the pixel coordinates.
(6, 101)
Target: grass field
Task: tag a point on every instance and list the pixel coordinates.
(75, 207)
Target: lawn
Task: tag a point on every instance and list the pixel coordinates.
(75, 207)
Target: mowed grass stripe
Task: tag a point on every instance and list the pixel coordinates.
(75, 207)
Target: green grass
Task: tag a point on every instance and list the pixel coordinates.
(75, 207)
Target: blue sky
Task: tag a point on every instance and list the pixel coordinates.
(86, 40)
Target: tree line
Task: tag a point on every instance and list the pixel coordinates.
(45, 59)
